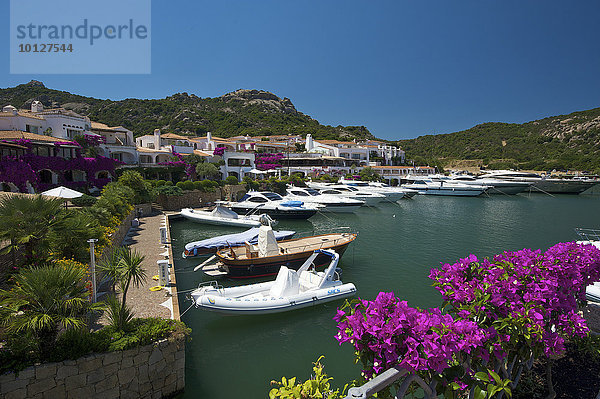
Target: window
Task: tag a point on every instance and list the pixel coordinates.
(312, 191)
(257, 199)
(302, 193)
(273, 196)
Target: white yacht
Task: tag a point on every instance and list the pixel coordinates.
(390, 193)
(543, 183)
(496, 186)
(427, 186)
(331, 203)
(272, 204)
(370, 198)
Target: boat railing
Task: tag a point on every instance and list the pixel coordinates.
(213, 283)
(588, 234)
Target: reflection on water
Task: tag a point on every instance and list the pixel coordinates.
(237, 356)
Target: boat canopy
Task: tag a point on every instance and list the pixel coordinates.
(223, 212)
(250, 236)
(267, 243)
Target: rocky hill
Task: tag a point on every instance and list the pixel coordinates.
(560, 142)
(247, 112)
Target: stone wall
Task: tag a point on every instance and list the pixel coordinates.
(197, 198)
(151, 371)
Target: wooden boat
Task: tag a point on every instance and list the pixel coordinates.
(249, 261)
(290, 290)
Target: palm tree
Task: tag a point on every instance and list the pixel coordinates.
(111, 267)
(26, 221)
(131, 271)
(44, 300)
(68, 238)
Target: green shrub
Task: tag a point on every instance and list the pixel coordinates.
(187, 185)
(116, 199)
(84, 200)
(21, 350)
(198, 185)
(169, 190)
(209, 186)
(179, 184)
(142, 189)
(231, 180)
(251, 184)
(169, 183)
(159, 183)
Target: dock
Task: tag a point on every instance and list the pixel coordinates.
(148, 300)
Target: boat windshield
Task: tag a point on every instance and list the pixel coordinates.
(298, 192)
(272, 196)
(312, 191)
(355, 184)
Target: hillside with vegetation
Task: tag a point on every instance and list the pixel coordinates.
(242, 112)
(560, 142)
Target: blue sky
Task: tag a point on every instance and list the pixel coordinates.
(400, 68)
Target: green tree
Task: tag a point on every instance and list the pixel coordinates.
(26, 222)
(369, 174)
(207, 170)
(45, 299)
(142, 189)
(69, 235)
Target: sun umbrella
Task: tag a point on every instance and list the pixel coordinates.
(62, 192)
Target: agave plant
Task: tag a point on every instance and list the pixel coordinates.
(44, 300)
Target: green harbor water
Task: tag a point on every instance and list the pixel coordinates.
(237, 356)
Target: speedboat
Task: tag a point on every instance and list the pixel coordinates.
(290, 290)
(265, 258)
(272, 204)
(426, 186)
(330, 203)
(221, 216)
(341, 190)
(543, 183)
(211, 245)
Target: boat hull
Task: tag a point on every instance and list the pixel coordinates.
(269, 266)
(290, 213)
(238, 306)
(560, 186)
(207, 218)
(448, 191)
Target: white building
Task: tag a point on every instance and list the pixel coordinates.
(119, 143)
(55, 122)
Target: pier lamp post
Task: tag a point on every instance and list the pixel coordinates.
(92, 242)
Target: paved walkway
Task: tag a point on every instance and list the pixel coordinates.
(146, 240)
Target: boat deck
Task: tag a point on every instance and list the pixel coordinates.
(293, 246)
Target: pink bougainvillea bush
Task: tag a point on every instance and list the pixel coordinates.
(496, 313)
(20, 170)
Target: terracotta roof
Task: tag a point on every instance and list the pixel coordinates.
(400, 167)
(201, 153)
(11, 145)
(336, 142)
(102, 126)
(173, 136)
(152, 150)
(21, 113)
(19, 134)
